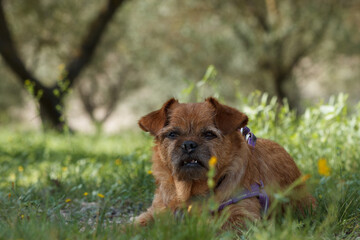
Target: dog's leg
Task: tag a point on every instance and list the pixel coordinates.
(245, 210)
(157, 206)
(144, 218)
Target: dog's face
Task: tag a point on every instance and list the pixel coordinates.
(188, 135)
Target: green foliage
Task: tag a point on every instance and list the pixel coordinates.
(198, 91)
(52, 185)
(151, 46)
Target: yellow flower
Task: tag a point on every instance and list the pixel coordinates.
(149, 172)
(20, 169)
(22, 216)
(305, 177)
(323, 167)
(118, 162)
(9, 195)
(100, 195)
(64, 169)
(212, 161)
(189, 208)
(85, 194)
(68, 200)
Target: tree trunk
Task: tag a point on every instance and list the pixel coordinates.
(280, 81)
(50, 99)
(51, 111)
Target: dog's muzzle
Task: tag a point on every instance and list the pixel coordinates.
(190, 161)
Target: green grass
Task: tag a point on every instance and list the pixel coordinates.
(41, 171)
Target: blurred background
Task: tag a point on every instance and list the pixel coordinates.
(100, 65)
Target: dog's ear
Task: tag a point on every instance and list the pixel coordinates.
(156, 120)
(227, 119)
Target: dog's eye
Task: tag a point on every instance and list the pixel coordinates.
(209, 135)
(172, 135)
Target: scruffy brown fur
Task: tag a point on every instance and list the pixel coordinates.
(197, 131)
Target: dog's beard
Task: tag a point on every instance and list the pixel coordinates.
(190, 167)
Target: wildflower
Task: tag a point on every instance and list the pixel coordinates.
(22, 216)
(189, 208)
(9, 195)
(68, 200)
(149, 172)
(100, 195)
(304, 178)
(20, 169)
(118, 161)
(212, 161)
(323, 167)
(211, 172)
(64, 169)
(85, 194)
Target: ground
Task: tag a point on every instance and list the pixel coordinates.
(76, 186)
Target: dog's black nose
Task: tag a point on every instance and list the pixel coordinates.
(189, 146)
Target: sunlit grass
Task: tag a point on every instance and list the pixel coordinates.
(76, 186)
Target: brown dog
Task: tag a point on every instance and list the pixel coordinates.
(188, 135)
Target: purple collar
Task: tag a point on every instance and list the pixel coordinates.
(249, 136)
(256, 190)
